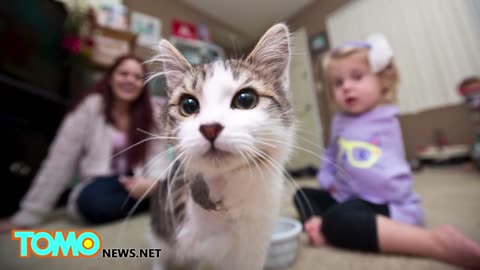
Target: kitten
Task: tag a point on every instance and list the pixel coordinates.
(233, 126)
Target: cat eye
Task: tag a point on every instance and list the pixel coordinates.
(245, 99)
(188, 105)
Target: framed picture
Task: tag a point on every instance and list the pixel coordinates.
(319, 43)
(148, 28)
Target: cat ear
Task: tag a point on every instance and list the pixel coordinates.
(272, 52)
(174, 64)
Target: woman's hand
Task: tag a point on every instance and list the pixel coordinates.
(137, 186)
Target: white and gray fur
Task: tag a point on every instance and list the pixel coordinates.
(218, 206)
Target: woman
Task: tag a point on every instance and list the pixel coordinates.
(107, 120)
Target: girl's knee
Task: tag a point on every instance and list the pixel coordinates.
(350, 230)
(333, 225)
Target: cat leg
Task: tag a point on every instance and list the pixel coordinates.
(155, 242)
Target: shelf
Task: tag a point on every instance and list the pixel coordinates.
(36, 91)
(197, 51)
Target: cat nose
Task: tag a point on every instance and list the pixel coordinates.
(211, 131)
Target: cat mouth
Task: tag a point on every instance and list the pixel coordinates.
(216, 154)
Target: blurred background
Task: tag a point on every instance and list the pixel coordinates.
(52, 50)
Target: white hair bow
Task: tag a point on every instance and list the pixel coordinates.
(380, 53)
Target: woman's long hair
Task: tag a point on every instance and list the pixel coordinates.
(140, 114)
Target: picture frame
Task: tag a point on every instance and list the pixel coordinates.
(319, 43)
(148, 28)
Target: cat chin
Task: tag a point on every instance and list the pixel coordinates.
(210, 166)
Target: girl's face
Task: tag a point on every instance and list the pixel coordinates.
(127, 81)
(355, 88)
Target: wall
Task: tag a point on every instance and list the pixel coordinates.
(167, 10)
(312, 17)
(435, 43)
(305, 105)
(418, 129)
(453, 121)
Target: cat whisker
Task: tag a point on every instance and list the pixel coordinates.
(247, 162)
(247, 139)
(151, 162)
(154, 184)
(295, 186)
(273, 164)
(135, 206)
(170, 177)
(132, 146)
(269, 132)
(171, 199)
(155, 75)
(185, 178)
(286, 112)
(322, 158)
(148, 167)
(255, 163)
(157, 136)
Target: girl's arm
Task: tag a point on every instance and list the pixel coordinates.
(327, 172)
(326, 175)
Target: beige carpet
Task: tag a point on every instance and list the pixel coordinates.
(450, 195)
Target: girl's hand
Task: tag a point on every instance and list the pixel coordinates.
(138, 186)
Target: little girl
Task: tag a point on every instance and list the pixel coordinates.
(366, 202)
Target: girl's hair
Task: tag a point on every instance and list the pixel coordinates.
(141, 111)
(389, 77)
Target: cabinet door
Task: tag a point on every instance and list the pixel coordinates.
(309, 132)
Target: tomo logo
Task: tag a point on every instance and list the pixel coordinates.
(57, 243)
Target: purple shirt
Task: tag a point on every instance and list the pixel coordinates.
(366, 160)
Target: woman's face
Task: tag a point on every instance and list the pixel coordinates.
(127, 81)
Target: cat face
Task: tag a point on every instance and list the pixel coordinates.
(230, 114)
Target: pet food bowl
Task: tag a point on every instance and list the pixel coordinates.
(284, 243)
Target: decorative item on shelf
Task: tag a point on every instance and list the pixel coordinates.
(147, 28)
(78, 43)
(318, 48)
(95, 33)
(78, 27)
(183, 29)
(92, 47)
(319, 43)
(112, 16)
(469, 88)
(197, 51)
(110, 44)
(203, 33)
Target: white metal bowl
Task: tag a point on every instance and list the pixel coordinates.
(284, 243)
